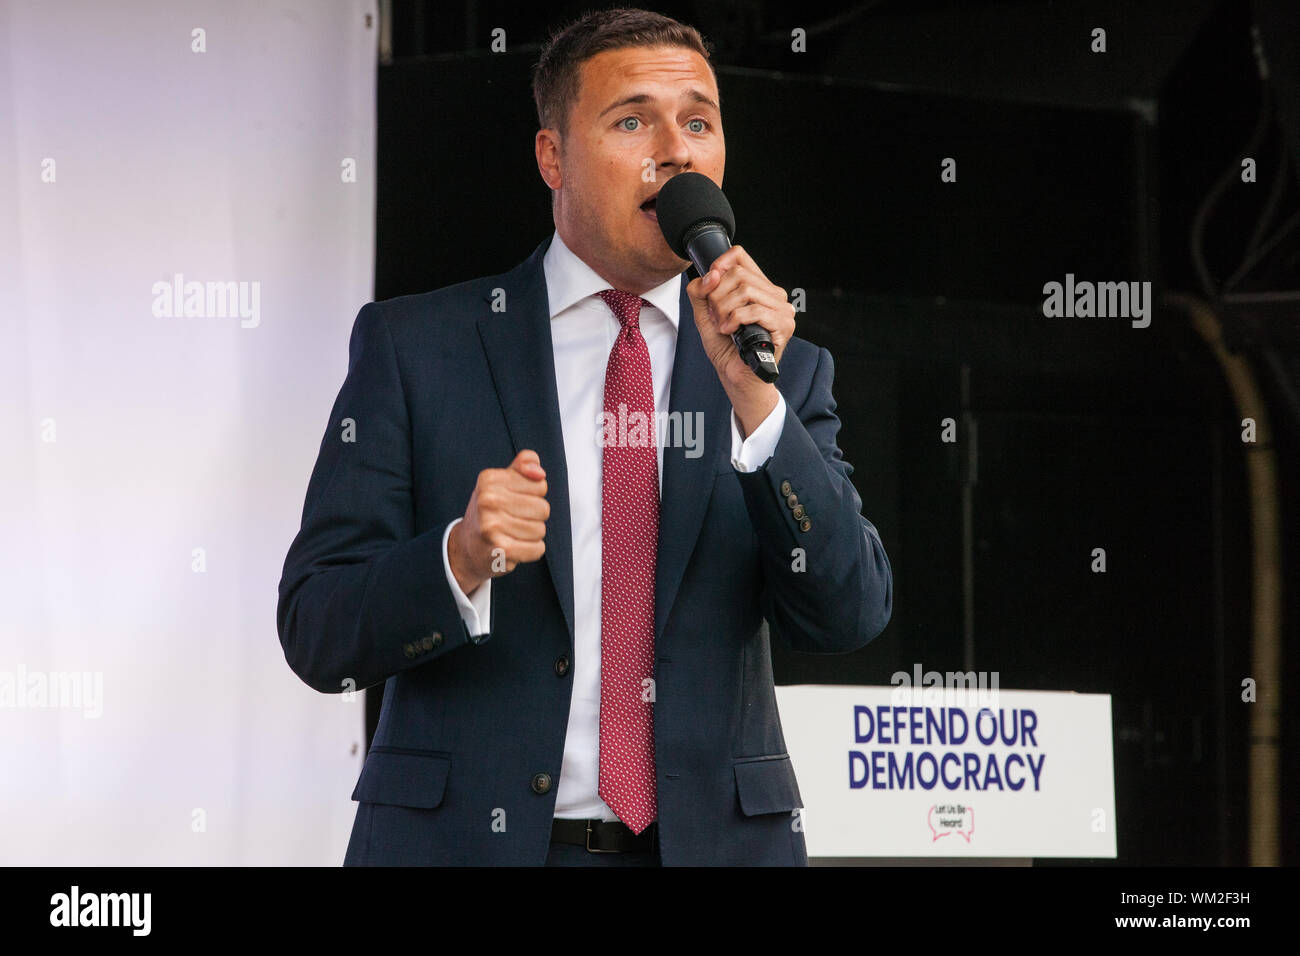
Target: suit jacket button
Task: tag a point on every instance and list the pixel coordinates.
(541, 782)
(798, 512)
(561, 666)
(435, 639)
(805, 524)
(786, 488)
(791, 500)
(409, 650)
(427, 644)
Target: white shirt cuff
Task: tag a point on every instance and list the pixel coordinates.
(753, 451)
(473, 611)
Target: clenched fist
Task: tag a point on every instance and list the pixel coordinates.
(504, 524)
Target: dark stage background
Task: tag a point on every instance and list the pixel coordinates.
(1076, 433)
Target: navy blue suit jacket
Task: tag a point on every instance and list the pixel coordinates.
(466, 758)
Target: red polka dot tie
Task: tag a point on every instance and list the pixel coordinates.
(629, 539)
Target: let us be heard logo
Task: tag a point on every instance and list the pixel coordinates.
(945, 819)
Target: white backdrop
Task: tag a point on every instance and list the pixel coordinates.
(155, 460)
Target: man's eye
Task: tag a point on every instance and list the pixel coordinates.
(703, 125)
(628, 119)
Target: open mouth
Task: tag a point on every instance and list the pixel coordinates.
(649, 206)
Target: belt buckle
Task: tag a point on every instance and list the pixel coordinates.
(590, 849)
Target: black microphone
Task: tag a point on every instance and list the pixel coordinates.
(698, 224)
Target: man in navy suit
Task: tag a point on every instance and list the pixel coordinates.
(560, 517)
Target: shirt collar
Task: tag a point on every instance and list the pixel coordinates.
(569, 280)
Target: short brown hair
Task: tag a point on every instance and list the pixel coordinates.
(557, 75)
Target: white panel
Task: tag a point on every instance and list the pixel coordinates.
(955, 773)
(133, 437)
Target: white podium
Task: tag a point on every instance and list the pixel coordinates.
(905, 775)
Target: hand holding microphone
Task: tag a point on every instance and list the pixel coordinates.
(697, 223)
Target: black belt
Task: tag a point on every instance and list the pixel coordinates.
(604, 836)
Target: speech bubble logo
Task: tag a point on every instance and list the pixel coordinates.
(945, 819)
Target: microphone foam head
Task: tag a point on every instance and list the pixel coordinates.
(687, 200)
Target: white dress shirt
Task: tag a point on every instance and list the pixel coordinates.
(583, 329)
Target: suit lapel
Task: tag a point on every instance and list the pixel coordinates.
(518, 346)
(520, 353)
(688, 482)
